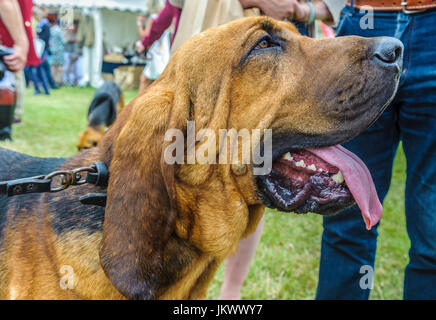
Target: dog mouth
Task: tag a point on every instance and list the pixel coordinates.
(324, 180)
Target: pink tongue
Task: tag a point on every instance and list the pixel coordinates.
(358, 180)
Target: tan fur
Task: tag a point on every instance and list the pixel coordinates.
(90, 137)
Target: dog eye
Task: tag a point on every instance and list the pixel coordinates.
(263, 44)
(266, 43)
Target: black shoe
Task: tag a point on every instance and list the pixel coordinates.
(5, 133)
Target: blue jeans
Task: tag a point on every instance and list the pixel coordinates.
(411, 118)
(46, 67)
(37, 75)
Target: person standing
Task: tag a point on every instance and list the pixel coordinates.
(57, 40)
(411, 118)
(154, 40)
(72, 55)
(43, 32)
(36, 72)
(169, 14)
(16, 32)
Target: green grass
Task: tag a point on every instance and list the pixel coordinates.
(52, 124)
(286, 262)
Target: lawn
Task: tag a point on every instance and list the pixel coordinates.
(286, 262)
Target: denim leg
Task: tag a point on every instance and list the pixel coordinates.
(43, 77)
(417, 120)
(27, 75)
(419, 142)
(46, 67)
(414, 121)
(33, 74)
(346, 244)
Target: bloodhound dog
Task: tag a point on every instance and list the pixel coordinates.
(167, 226)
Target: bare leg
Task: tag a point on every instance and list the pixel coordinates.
(69, 70)
(75, 72)
(237, 266)
(21, 88)
(56, 71)
(60, 74)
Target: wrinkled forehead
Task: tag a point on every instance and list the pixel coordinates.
(218, 45)
(244, 28)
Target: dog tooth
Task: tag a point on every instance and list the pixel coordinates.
(338, 177)
(301, 164)
(312, 167)
(288, 156)
(320, 170)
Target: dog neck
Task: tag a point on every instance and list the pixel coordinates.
(187, 270)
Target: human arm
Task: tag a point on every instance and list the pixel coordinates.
(291, 9)
(10, 14)
(140, 22)
(158, 27)
(139, 46)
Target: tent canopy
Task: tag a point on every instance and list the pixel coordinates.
(117, 17)
(114, 25)
(122, 5)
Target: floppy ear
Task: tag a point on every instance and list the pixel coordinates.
(140, 213)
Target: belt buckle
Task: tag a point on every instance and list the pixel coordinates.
(406, 11)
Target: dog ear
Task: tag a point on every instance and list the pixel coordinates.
(140, 213)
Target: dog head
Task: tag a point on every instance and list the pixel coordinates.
(251, 74)
(90, 137)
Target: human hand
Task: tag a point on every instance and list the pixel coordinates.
(140, 21)
(139, 46)
(281, 9)
(17, 61)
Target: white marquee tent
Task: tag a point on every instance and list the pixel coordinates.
(114, 23)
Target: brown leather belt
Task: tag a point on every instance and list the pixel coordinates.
(409, 6)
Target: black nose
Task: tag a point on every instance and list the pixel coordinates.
(388, 52)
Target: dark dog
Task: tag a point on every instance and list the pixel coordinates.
(166, 227)
(108, 101)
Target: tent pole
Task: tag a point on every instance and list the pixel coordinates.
(97, 50)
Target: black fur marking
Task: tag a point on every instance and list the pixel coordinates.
(14, 165)
(101, 115)
(67, 213)
(71, 214)
(268, 26)
(3, 205)
(106, 99)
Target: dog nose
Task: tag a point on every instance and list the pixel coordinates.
(388, 52)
